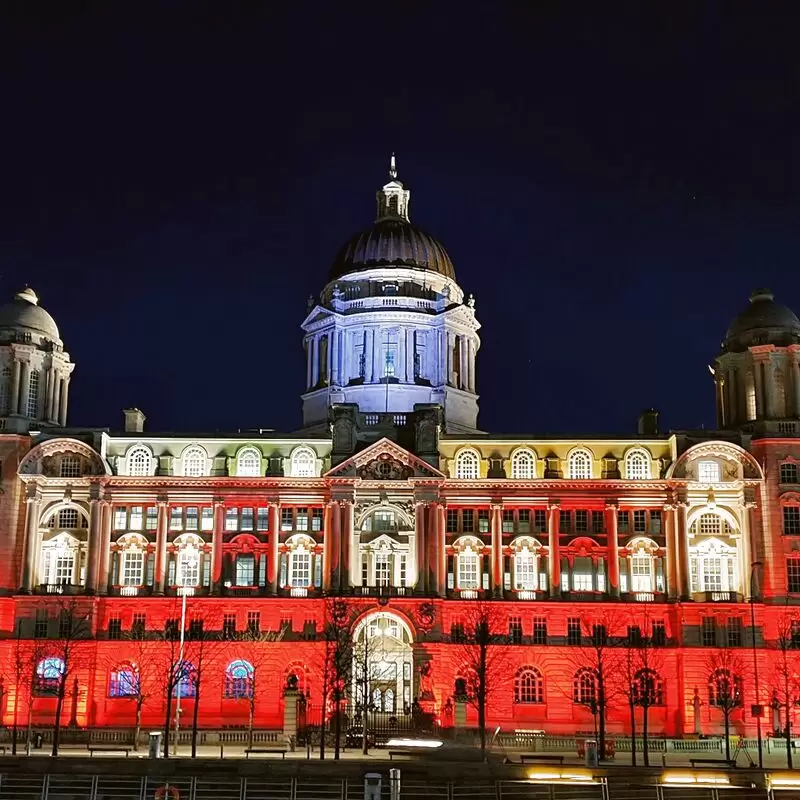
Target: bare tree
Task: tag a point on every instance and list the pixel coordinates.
(175, 672)
(482, 651)
(25, 658)
(785, 674)
(337, 667)
(725, 685)
(74, 627)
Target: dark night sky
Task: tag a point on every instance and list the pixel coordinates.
(611, 181)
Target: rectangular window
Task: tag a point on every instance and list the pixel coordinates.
(192, 518)
(639, 521)
(254, 622)
(634, 635)
(115, 628)
(468, 520)
(709, 632)
(734, 632)
(301, 568)
(245, 569)
(301, 519)
(483, 520)
(623, 522)
(564, 522)
(40, 626)
(581, 521)
(245, 519)
(574, 630)
(231, 519)
(207, 518)
(515, 630)
(524, 520)
(262, 519)
(598, 522)
(599, 635)
(195, 632)
(316, 519)
(794, 641)
(659, 633)
(655, 522)
(452, 520)
(120, 518)
(151, 522)
(171, 630)
(139, 626)
(402, 565)
(789, 473)
(708, 472)
(176, 518)
(540, 630)
(229, 626)
(539, 520)
(468, 571)
(508, 520)
(137, 518)
(287, 519)
(457, 633)
(133, 568)
(382, 569)
(791, 520)
(793, 574)
(65, 625)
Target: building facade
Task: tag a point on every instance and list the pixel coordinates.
(681, 548)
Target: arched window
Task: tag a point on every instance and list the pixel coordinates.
(523, 465)
(724, 689)
(49, 674)
(60, 563)
(245, 569)
(468, 465)
(647, 688)
(123, 681)
(195, 462)
(468, 573)
(239, 680)
(584, 686)
(526, 564)
(304, 463)
(711, 524)
(579, 465)
(139, 461)
(248, 463)
(184, 679)
(188, 561)
(528, 686)
(300, 553)
(33, 394)
(637, 465)
(132, 551)
(68, 519)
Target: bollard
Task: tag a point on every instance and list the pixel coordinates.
(394, 784)
(154, 740)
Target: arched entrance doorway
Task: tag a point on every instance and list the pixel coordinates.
(383, 663)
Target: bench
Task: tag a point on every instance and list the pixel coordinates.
(409, 752)
(108, 748)
(534, 757)
(265, 751)
(717, 761)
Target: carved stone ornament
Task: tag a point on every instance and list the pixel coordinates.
(385, 468)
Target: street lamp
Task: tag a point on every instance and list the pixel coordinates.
(758, 708)
(184, 589)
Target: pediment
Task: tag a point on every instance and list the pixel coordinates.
(384, 461)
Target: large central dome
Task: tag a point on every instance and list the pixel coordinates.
(392, 242)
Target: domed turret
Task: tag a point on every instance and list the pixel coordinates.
(757, 374)
(34, 369)
(392, 329)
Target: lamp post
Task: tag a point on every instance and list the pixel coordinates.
(184, 590)
(758, 707)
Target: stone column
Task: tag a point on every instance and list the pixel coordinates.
(25, 387)
(161, 547)
(334, 356)
(497, 548)
(673, 558)
(419, 513)
(400, 371)
(471, 363)
(441, 560)
(93, 562)
(347, 540)
(52, 378)
(62, 414)
(309, 363)
(410, 352)
(105, 548)
(432, 535)
(683, 550)
(314, 360)
(31, 559)
(796, 383)
(769, 388)
(613, 549)
(273, 555)
(15, 380)
(451, 376)
(759, 385)
(553, 524)
(733, 400)
(217, 540)
(719, 387)
(326, 546)
(377, 365)
(462, 354)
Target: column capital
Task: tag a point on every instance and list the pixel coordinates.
(162, 500)
(33, 494)
(669, 506)
(496, 506)
(612, 505)
(218, 501)
(553, 505)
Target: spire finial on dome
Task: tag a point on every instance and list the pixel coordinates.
(392, 167)
(393, 198)
(28, 295)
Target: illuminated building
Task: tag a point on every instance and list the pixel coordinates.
(392, 498)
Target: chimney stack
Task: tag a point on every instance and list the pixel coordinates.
(648, 422)
(134, 420)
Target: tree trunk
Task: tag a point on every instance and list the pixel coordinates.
(195, 715)
(482, 700)
(167, 720)
(601, 712)
(138, 727)
(322, 720)
(645, 749)
(15, 722)
(28, 743)
(251, 720)
(633, 733)
(789, 732)
(59, 706)
(727, 716)
(337, 731)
